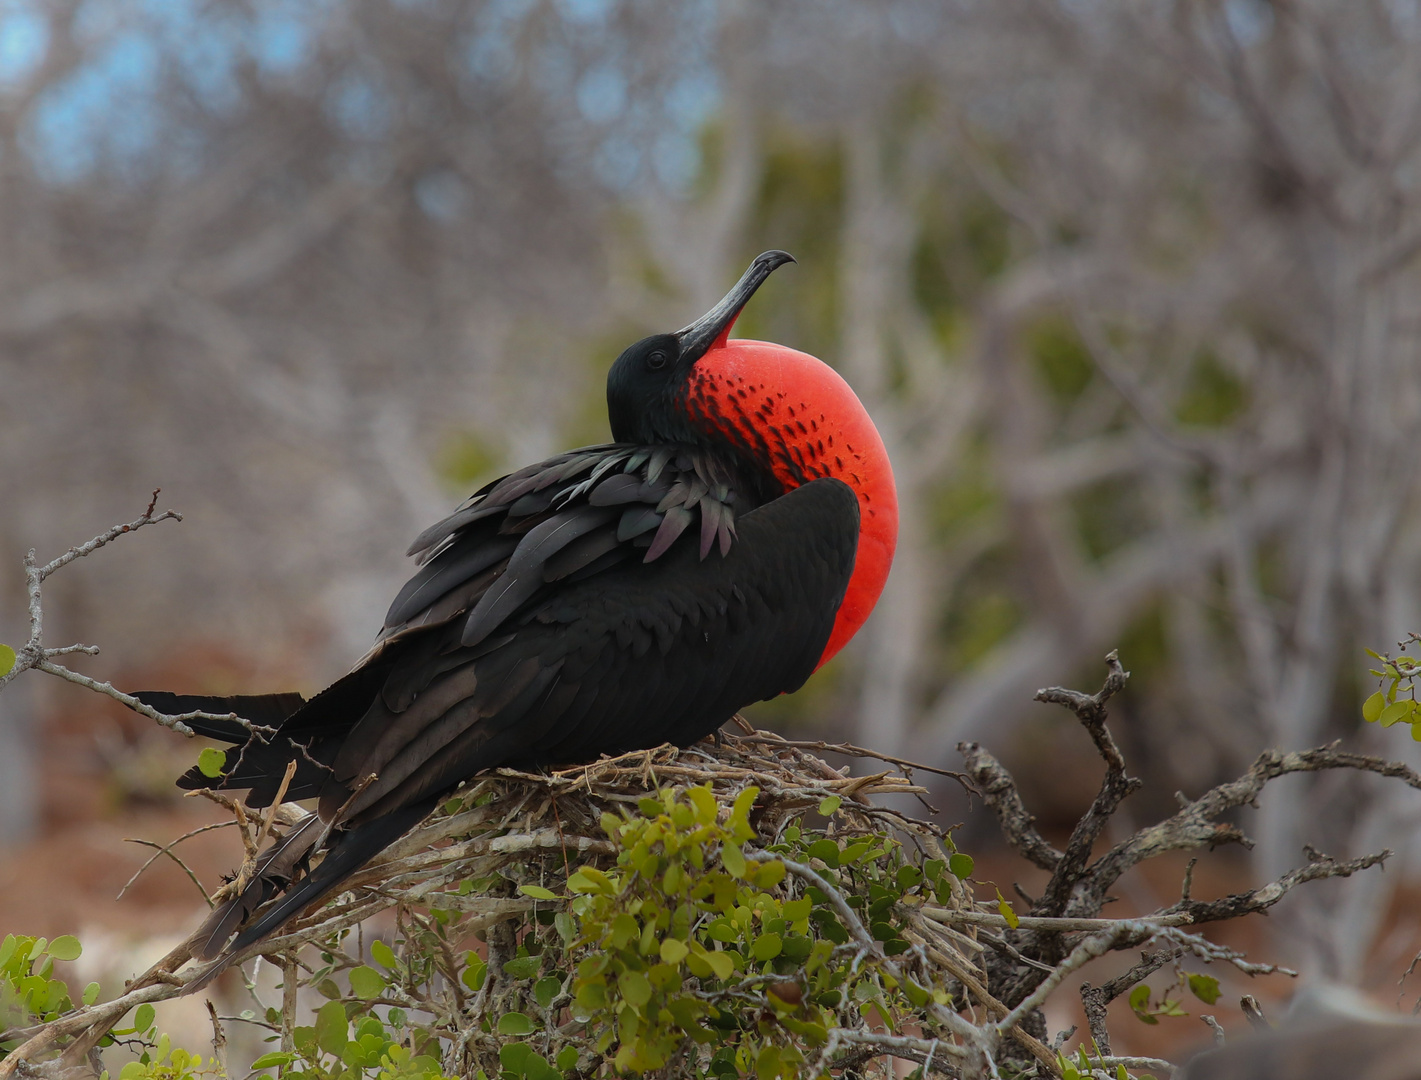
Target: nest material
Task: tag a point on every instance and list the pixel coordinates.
(536, 822)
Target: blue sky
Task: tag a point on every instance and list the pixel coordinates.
(107, 110)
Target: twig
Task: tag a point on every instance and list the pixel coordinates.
(1114, 788)
(769, 738)
(1216, 1028)
(1253, 1013)
(1091, 948)
(1093, 1000)
(167, 849)
(32, 653)
(1058, 924)
(1247, 903)
(276, 803)
(219, 1039)
(999, 792)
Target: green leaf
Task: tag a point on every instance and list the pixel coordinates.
(383, 954)
(546, 989)
(275, 1058)
(1397, 710)
(588, 879)
(673, 951)
(332, 1028)
(7, 660)
(210, 762)
(366, 983)
(767, 947)
(1013, 920)
(826, 851)
(523, 967)
(1140, 1003)
(770, 874)
(65, 947)
(514, 1023)
(91, 993)
(143, 1017)
(1205, 988)
(635, 987)
(703, 799)
(567, 929)
(733, 860)
(1373, 706)
(721, 964)
(567, 1056)
(537, 892)
(961, 865)
(514, 1056)
(830, 806)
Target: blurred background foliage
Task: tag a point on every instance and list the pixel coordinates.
(1130, 290)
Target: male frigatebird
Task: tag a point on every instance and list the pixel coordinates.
(730, 541)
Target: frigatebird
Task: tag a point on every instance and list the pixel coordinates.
(732, 538)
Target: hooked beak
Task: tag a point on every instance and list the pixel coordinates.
(712, 328)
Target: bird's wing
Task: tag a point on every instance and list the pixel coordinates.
(519, 540)
(640, 654)
(562, 520)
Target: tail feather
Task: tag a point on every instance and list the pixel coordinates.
(266, 710)
(274, 869)
(352, 851)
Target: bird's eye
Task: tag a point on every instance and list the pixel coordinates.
(656, 360)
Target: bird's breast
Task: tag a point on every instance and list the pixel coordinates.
(796, 417)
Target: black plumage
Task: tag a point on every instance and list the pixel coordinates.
(607, 599)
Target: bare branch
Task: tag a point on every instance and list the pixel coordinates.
(1114, 788)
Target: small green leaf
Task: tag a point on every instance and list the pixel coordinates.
(276, 1057)
(1140, 1003)
(721, 964)
(7, 660)
(767, 947)
(366, 983)
(383, 954)
(673, 951)
(523, 967)
(143, 1017)
(830, 806)
(1397, 710)
(826, 851)
(514, 1023)
(210, 762)
(91, 993)
(733, 859)
(332, 1028)
(961, 865)
(514, 1057)
(1373, 706)
(567, 1056)
(537, 892)
(1003, 906)
(546, 990)
(703, 799)
(1205, 988)
(65, 947)
(635, 987)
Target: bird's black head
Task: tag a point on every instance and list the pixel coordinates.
(643, 383)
